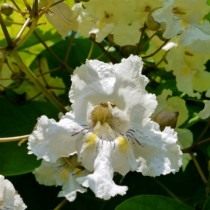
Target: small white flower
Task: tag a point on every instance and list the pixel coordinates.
(9, 198)
(109, 127)
(62, 173)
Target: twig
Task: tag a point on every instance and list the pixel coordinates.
(139, 45)
(199, 170)
(32, 77)
(27, 5)
(204, 131)
(14, 138)
(6, 33)
(27, 22)
(17, 7)
(68, 50)
(167, 190)
(90, 51)
(52, 52)
(61, 204)
(156, 51)
(194, 146)
(110, 57)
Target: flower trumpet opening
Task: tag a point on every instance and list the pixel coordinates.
(102, 113)
(108, 121)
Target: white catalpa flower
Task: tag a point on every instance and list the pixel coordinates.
(63, 172)
(9, 198)
(109, 128)
(177, 15)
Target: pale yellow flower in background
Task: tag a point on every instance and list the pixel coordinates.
(205, 113)
(189, 68)
(177, 15)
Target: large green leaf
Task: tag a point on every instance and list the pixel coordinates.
(207, 204)
(19, 119)
(14, 159)
(152, 202)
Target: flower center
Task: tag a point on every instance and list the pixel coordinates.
(102, 113)
(108, 121)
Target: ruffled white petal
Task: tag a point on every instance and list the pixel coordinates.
(71, 188)
(9, 198)
(123, 158)
(59, 174)
(96, 82)
(50, 174)
(51, 140)
(88, 151)
(101, 181)
(159, 152)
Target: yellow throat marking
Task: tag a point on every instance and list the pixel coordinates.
(122, 143)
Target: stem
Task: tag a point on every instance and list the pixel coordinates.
(194, 146)
(52, 52)
(197, 166)
(27, 5)
(139, 45)
(156, 51)
(192, 121)
(32, 77)
(162, 59)
(20, 33)
(33, 25)
(109, 56)
(68, 50)
(12, 139)
(60, 205)
(6, 33)
(35, 8)
(167, 190)
(16, 5)
(206, 128)
(90, 51)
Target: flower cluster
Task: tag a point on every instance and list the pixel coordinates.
(128, 21)
(109, 130)
(9, 198)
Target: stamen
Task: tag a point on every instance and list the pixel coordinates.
(130, 134)
(81, 131)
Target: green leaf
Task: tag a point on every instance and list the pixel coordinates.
(15, 160)
(207, 204)
(19, 118)
(152, 202)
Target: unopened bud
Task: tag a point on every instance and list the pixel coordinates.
(151, 23)
(166, 118)
(6, 9)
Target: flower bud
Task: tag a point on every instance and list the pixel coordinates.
(151, 23)
(166, 118)
(6, 9)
